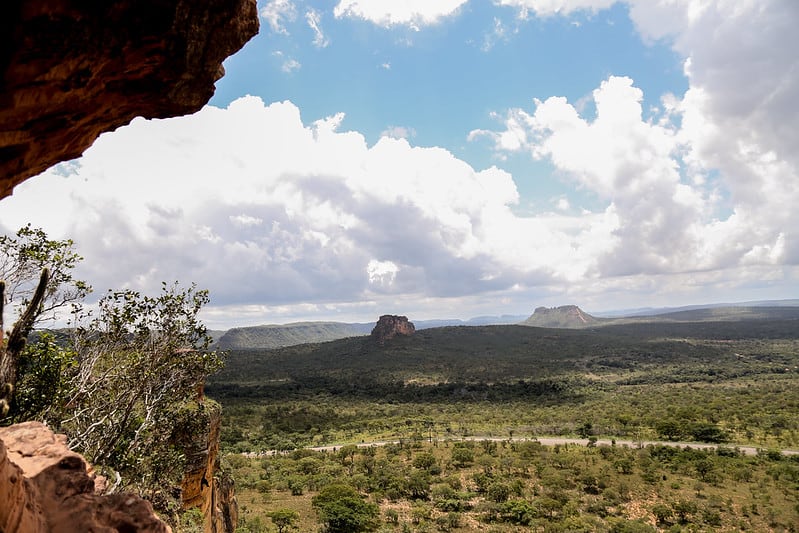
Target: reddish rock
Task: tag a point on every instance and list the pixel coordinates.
(205, 486)
(20, 509)
(389, 326)
(71, 70)
(45, 487)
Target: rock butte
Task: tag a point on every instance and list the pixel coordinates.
(389, 326)
(69, 71)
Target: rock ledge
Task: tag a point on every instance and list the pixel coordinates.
(72, 70)
(45, 487)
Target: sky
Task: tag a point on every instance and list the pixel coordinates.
(457, 158)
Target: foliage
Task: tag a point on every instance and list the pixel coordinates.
(433, 393)
(191, 521)
(343, 510)
(123, 386)
(35, 278)
(25, 255)
(637, 382)
(141, 362)
(284, 519)
(43, 380)
(544, 487)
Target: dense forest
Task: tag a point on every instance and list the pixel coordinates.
(698, 381)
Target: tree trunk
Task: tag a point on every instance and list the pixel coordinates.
(9, 354)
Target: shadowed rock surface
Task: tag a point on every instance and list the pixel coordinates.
(71, 70)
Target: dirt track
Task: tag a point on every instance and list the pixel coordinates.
(551, 441)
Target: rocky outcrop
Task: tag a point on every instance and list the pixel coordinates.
(44, 487)
(389, 326)
(205, 486)
(71, 70)
(565, 316)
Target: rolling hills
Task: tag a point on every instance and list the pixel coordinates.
(281, 335)
(267, 337)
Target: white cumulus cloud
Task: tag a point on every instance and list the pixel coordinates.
(399, 132)
(277, 12)
(290, 65)
(544, 8)
(381, 273)
(388, 13)
(267, 210)
(285, 218)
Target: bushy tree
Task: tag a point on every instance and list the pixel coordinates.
(284, 519)
(343, 510)
(670, 429)
(662, 513)
(462, 456)
(499, 491)
(142, 360)
(44, 367)
(35, 282)
(22, 259)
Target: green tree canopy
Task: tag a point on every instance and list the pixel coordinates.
(343, 510)
(141, 359)
(284, 519)
(22, 259)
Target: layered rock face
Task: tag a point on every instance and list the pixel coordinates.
(44, 487)
(389, 326)
(205, 486)
(71, 70)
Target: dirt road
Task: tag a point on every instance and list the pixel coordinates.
(550, 441)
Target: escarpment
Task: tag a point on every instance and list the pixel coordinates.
(205, 486)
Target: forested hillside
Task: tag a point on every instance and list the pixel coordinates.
(439, 395)
(278, 336)
(732, 381)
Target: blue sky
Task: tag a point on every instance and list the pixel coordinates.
(445, 80)
(456, 158)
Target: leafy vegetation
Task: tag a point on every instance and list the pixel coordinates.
(431, 395)
(122, 383)
(514, 485)
(22, 259)
(140, 363)
(706, 381)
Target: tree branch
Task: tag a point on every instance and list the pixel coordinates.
(9, 358)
